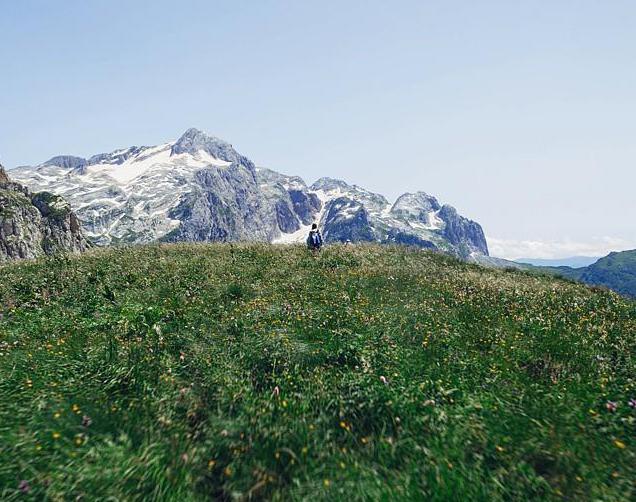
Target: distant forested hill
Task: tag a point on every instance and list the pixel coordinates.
(616, 271)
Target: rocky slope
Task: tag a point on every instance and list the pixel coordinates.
(34, 225)
(199, 188)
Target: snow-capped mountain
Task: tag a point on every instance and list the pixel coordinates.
(200, 188)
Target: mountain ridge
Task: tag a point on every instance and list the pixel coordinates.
(200, 188)
(571, 261)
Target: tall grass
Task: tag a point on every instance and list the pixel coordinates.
(189, 372)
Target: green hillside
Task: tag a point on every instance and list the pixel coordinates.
(193, 372)
(616, 271)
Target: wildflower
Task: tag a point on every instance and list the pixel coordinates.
(86, 421)
(227, 471)
(619, 444)
(56, 414)
(75, 408)
(632, 403)
(500, 448)
(24, 486)
(56, 435)
(78, 441)
(276, 391)
(384, 380)
(326, 482)
(611, 406)
(211, 464)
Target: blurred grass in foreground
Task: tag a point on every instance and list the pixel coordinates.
(185, 372)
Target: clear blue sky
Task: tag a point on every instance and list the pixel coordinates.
(519, 113)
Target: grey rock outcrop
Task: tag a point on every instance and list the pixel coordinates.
(224, 206)
(34, 225)
(3, 175)
(66, 161)
(346, 220)
(305, 204)
(462, 232)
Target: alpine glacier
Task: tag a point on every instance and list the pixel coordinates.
(199, 188)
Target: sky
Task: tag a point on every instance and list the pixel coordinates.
(521, 114)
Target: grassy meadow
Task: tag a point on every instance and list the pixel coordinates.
(194, 372)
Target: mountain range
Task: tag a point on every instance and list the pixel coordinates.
(572, 261)
(199, 188)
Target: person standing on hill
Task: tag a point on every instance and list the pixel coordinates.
(314, 239)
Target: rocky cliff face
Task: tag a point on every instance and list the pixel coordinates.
(34, 225)
(199, 188)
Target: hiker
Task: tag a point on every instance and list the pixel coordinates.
(314, 239)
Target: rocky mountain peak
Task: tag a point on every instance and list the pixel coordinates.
(417, 205)
(327, 184)
(461, 231)
(195, 140)
(117, 157)
(66, 162)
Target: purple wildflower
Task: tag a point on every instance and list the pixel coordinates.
(611, 406)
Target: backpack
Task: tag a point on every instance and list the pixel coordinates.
(314, 240)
